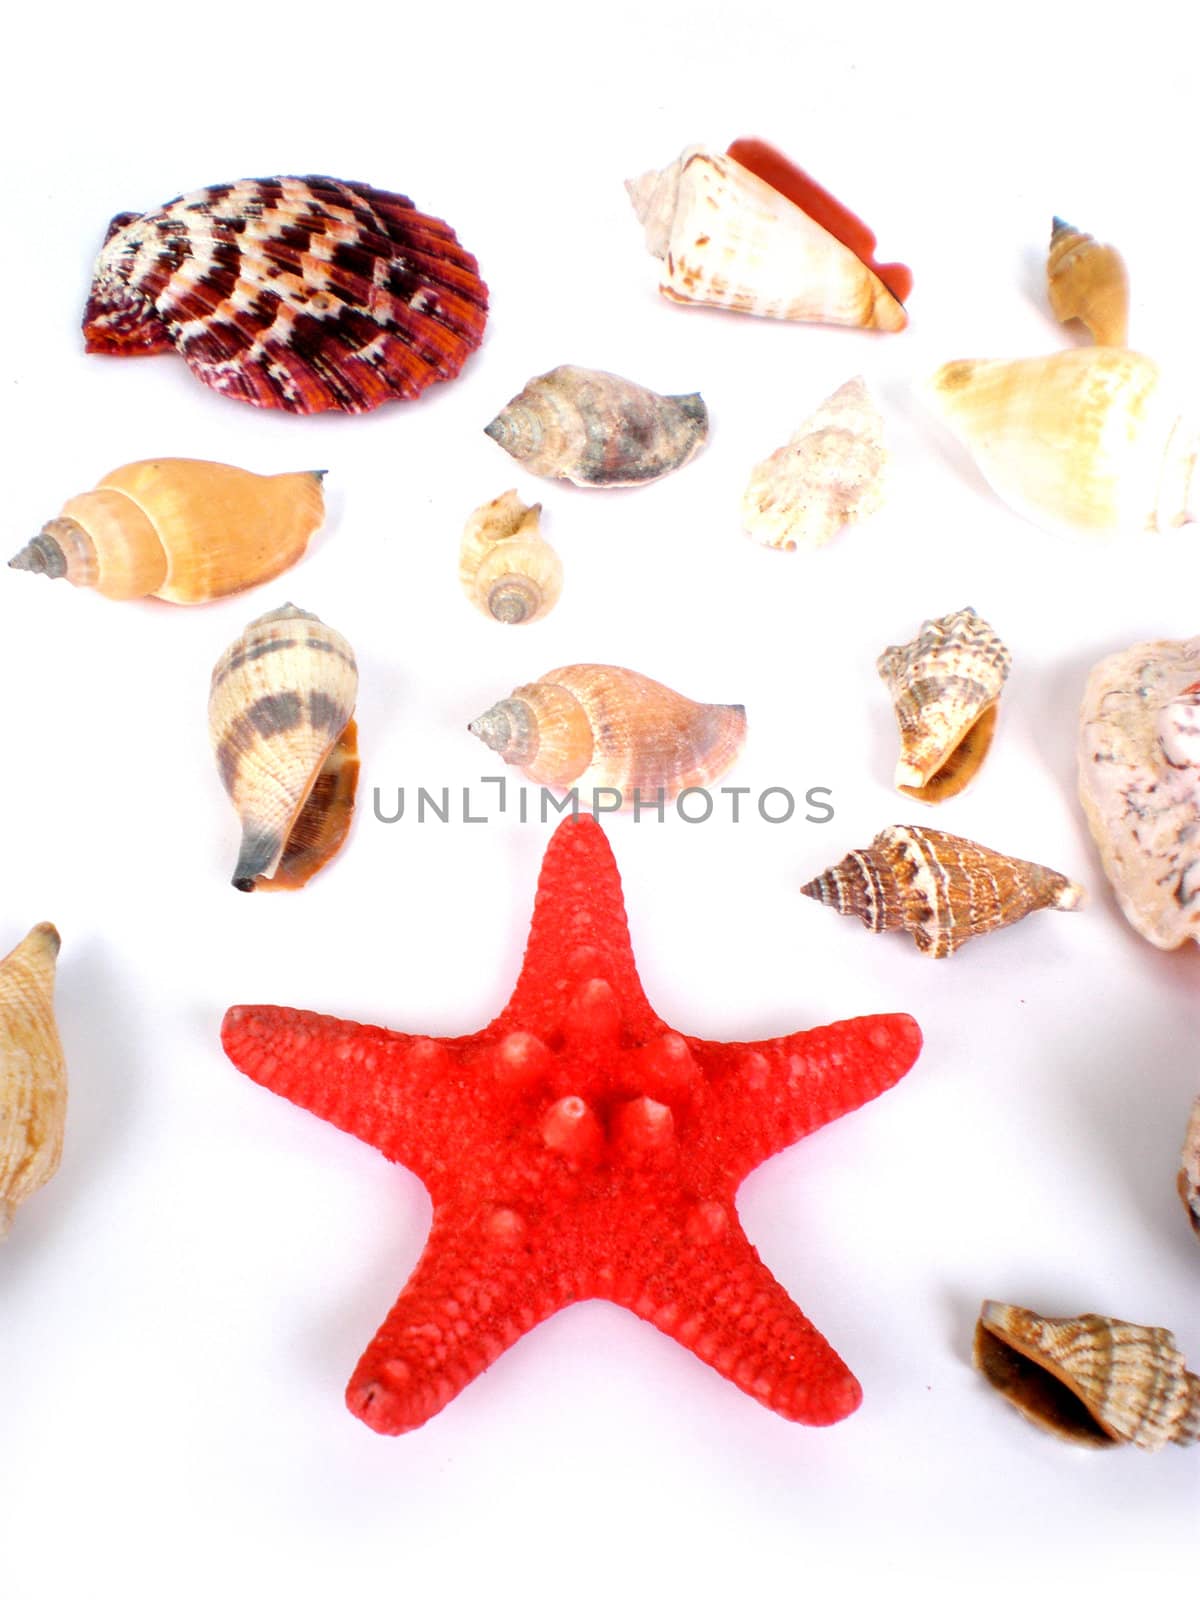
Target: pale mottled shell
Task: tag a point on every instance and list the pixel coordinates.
(505, 566)
(942, 889)
(1189, 1169)
(1088, 281)
(588, 726)
(727, 238)
(598, 430)
(829, 474)
(185, 531)
(1139, 783)
(945, 687)
(1090, 439)
(280, 719)
(1090, 1379)
(33, 1074)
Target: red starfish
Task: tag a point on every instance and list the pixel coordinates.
(577, 1148)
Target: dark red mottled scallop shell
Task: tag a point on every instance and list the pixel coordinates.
(303, 294)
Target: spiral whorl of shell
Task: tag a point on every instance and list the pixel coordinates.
(598, 430)
(33, 1074)
(1090, 1379)
(945, 687)
(505, 566)
(1189, 1169)
(1088, 281)
(280, 720)
(944, 890)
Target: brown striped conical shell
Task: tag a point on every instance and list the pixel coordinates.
(1090, 1379)
(598, 430)
(280, 719)
(945, 687)
(588, 727)
(1189, 1169)
(505, 566)
(944, 890)
(33, 1074)
(185, 531)
(1088, 281)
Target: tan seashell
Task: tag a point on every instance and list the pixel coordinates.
(280, 718)
(942, 889)
(505, 566)
(1091, 438)
(33, 1075)
(945, 687)
(1189, 1169)
(185, 531)
(1088, 281)
(1139, 783)
(597, 430)
(586, 727)
(828, 474)
(1090, 1379)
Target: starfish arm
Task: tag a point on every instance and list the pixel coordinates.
(773, 1092)
(476, 1289)
(394, 1091)
(719, 1301)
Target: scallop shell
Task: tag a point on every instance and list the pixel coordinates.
(505, 566)
(828, 474)
(33, 1075)
(586, 727)
(729, 237)
(1139, 783)
(1088, 281)
(280, 718)
(598, 430)
(302, 294)
(1088, 439)
(1090, 1379)
(945, 687)
(185, 531)
(1189, 1169)
(942, 889)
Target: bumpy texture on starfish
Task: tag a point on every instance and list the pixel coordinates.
(577, 1148)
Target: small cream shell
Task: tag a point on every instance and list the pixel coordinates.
(505, 566)
(33, 1074)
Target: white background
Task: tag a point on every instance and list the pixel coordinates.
(181, 1308)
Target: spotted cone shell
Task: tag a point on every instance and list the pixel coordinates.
(33, 1074)
(942, 889)
(945, 687)
(1090, 1379)
(1087, 281)
(302, 294)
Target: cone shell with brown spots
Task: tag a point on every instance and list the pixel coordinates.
(33, 1074)
(281, 722)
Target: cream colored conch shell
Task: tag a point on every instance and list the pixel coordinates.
(33, 1075)
(726, 238)
(1139, 783)
(1090, 1379)
(505, 566)
(1090, 439)
(829, 474)
(942, 889)
(945, 687)
(1189, 1169)
(280, 717)
(1088, 281)
(595, 727)
(186, 531)
(597, 430)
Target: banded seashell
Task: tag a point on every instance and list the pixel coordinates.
(828, 474)
(597, 430)
(1090, 1379)
(505, 566)
(1139, 783)
(33, 1075)
(185, 531)
(280, 718)
(748, 231)
(1189, 1169)
(1087, 281)
(942, 889)
(302, 294)
(945, 687)
(595, 727)
(1090, 439)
